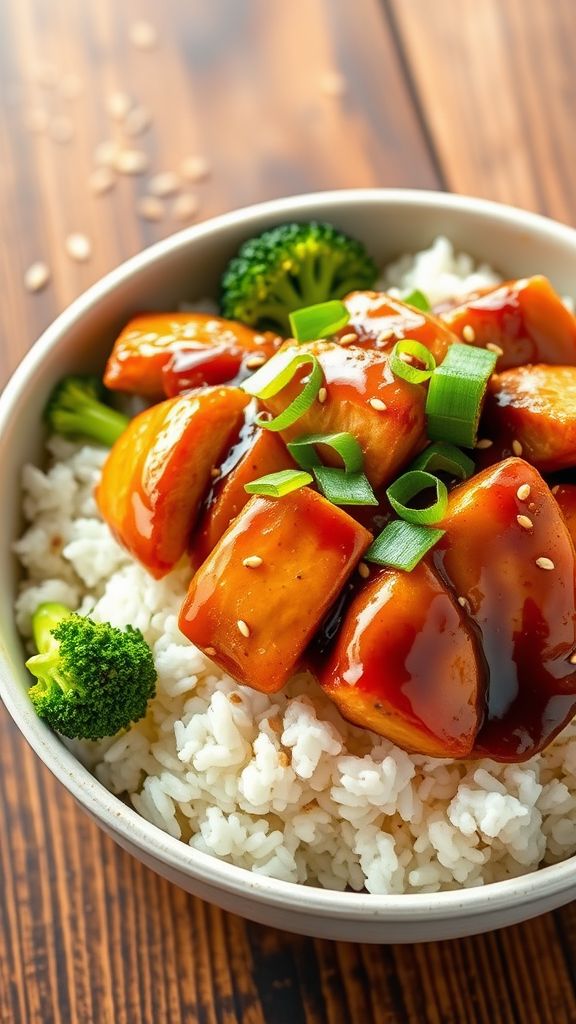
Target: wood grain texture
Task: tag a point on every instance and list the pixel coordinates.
(496, 85)
(86, 933)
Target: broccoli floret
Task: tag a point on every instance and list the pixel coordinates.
(93, 679)
(75, 407)
(289, 267)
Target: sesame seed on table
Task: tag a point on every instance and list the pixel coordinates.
(119, 124)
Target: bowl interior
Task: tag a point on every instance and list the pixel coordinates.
(187, 267)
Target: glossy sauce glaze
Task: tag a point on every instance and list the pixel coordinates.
(255, 453)
(169, 353)
(379, 321)
(526, 319)
(406, 664)
(524, 611)
(565, 495)
(354, 377)
(156, 473)
(535, 407)
(256, 621)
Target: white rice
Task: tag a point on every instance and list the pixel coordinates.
(281, 784)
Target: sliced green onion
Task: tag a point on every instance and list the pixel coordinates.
(318, 321)
(402, 545)
(446, 458)
(406, 487)
(275, 375)
(303, 450)
(407, 371)
(342, 488)
(456, 394)
(276, 485)
(418, 300)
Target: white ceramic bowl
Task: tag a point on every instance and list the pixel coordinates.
(187, 266)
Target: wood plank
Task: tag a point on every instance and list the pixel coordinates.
(86, 933)
(247, 90)
(497, 85)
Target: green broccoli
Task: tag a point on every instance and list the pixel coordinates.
(75, 407)
(289, 267)
(93, 679)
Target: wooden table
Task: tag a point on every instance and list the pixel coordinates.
(472, 95)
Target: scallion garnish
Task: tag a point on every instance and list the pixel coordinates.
(275, 375)
(402, 545)
(342, 488)
(418, 300)
(456, 394)
(405, 370)
(319, 321)
(276, 485)
(303, 450)
(407, 486)
(446, 458)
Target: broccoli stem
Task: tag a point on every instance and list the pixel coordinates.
(45, 664)
(46, 617)
(284, 291)
(97, 421)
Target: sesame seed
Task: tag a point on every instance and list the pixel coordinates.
(363, 570)
(253, 362)
(377, 404)
(131, 161)
(384, 336)
(464, 603)
(137, 121)
(572, 659)
(555, 489)
(525, 522)
(36, 277)
(545, 563)
(491, 347)
(195, 168)
(468, 333)
(215, 472)
(210, 651)
(349, 339)
(61, 129)
(150, 208)
(78, 247)
(243, 628)
(252, 562)
(166, 183)
(106, 153)
(101, 180)
(333, 84)
(185, 207)
(322, 395)
(118, 104)
(283, 759)
(523, 492)
(517, 447)
(485, 442)
(234, 698)
(143, 35)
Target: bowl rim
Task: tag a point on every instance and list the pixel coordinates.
(536, 886)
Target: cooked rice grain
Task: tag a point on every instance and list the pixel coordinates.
(280, 784)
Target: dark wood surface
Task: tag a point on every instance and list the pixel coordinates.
(477, 96)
